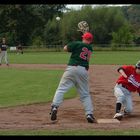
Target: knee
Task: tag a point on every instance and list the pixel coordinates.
(84, 97)
(121, 99)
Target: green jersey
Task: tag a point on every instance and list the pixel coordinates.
(81, 53)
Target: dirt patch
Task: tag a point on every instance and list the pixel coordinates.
(71, 113)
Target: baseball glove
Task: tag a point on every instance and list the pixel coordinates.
(83, 26)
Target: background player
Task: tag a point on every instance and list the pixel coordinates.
(76, 74)
(19, 48)
(3, 53)
(128, 82)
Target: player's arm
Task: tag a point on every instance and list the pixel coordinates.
(122, 72)
(67, 48)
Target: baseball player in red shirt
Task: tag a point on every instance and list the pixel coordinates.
(128, 82)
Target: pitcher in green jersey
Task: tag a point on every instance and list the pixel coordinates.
(76, 74)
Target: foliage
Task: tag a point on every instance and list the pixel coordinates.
(37, 25)
(122, 37)
(132, 13)
(24, 21)
(37, 42)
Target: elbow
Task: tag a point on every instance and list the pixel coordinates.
(119, 69)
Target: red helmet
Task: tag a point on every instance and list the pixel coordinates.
(88, 36)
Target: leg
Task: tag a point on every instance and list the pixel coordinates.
(83, 88)
(119, 94)
(65, 84)
(6, 58)
(128, 103)
(118, 107)
(1, 57)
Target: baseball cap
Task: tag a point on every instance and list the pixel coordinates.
(138, 65)
(88, 36)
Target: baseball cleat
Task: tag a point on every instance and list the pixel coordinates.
(91, 119)
(118, 116)
(53, 114)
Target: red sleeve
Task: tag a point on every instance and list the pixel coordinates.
(128, 69)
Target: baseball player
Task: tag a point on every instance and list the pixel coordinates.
(76, 74)
(3, 53)
(19, 48)
(128, 82)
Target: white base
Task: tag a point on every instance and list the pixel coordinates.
(108, 121)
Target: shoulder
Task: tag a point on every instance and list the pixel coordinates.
(128, 68)
(124, 67)
(73, 43)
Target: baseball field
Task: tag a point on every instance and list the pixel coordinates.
(29, 83)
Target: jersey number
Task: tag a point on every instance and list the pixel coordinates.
(85, 54)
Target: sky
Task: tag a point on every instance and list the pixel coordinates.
(78, 6)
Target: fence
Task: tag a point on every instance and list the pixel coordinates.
(98, 47)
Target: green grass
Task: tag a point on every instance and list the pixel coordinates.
(98, 57)
(40, 58)
(29, 86)
(23, 86)
(79, 132)
(115, 57)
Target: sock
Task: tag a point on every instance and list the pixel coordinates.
(118, 107)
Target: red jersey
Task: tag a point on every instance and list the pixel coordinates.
(132, 82)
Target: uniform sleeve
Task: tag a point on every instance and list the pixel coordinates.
(127, 69)
(71, 46)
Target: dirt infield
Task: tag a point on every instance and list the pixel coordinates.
(71, 114)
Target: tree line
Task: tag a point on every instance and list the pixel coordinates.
(36, 25)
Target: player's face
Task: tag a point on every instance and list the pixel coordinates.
(138, 70)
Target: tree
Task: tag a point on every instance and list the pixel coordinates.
(122, 37)
(25, 22)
